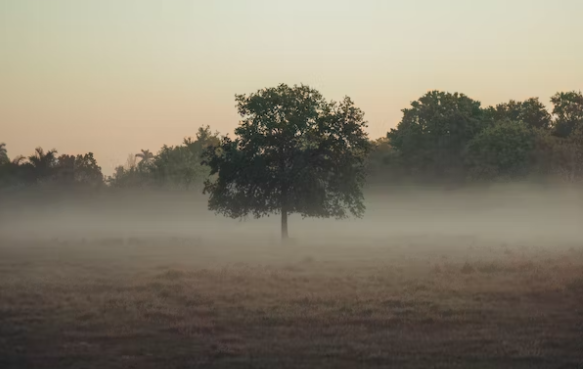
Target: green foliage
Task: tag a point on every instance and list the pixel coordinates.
(434, 131)
(3, 154)
(15, 175)
(180, 166)
(503, 150)
(44, 170)
(129, 175)
(146, 157)
(174, 167)
(295, 152)
(568, 112)
(80, 170)
(447, 135)
(383, 163)
(532, 112)
(559, 158)
(43, 163)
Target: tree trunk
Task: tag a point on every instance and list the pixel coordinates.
(283, 223)
(283, 199)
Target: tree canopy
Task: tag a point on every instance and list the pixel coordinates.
(568, 110)
(531, 111)
(434, 131)
(294, 152)
(3, 154)
(173, 167)
(502, 150)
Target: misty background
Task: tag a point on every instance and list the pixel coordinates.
(102, 81)
(516, 214)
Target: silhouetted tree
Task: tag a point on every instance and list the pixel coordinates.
(173, 167)
(43, 163)
(433, 133)
(532, 112)
(18, 160)
(559, 158)
(383, 163)
(294, 153)
(180, 166)
(15, 174)
(568, 112)
(129, 175)
(3, 153)
(501, 151)
(204, 138)
(80, 170)
(146, 157)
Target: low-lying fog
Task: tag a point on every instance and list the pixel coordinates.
(504, 213)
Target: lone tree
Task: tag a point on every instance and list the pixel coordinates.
(294, 152)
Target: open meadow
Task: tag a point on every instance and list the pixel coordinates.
(291, 184)
(414, 299)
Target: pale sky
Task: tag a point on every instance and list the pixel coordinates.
(117, 76)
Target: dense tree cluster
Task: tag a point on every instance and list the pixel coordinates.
(441, 136)
(47, 170)
(173, 167)
(451, 137)
(295, 152)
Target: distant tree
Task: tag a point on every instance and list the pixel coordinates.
(65, 170)
(535, 114)
(128, 175)
(383, 163)
(146, 157)
(294, 153)
(180, 166)
(175, 167)
(3, 153)
(43, 163)
(87, 171)
(18, 160)
(568, 112)
(502, 151)
(559, 158)
(434, 131)
(78, 170)
(204, 138)
(16, 174)
(532, 112)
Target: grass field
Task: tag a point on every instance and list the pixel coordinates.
(167, 303)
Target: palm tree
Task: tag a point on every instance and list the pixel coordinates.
(3, 153)
(18, 160)
(145, 156)
(43, 163)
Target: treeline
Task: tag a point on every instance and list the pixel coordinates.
(451, 138)
(441, 138)
(48, 173)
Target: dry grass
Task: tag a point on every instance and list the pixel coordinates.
(186, 304)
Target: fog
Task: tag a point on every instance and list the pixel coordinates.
(506, 213)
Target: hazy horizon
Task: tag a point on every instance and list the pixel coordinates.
(115, 77)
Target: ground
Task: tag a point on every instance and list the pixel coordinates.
(185, 303)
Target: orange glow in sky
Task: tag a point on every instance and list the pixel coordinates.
(114, 77)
